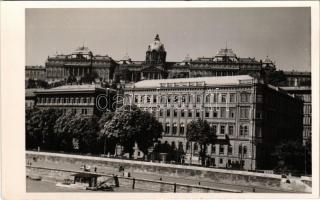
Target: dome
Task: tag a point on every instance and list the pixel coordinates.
(82, 50)
(268, 60)
(156, 45)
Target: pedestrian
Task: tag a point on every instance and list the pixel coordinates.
(116, 181)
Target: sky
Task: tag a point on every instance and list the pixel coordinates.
(283, 34)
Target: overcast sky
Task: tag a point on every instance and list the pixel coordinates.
(281, 33)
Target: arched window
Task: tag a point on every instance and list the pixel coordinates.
(182, 129)
(174, 129)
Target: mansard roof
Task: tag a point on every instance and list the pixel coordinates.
(209, 81)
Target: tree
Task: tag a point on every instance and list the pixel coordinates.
(78, 133)
(199, 131)
(289, 156)
(40, 128)
(133, 125)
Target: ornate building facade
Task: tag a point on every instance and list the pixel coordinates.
(78, 64)
(225, 63)
(254, 116)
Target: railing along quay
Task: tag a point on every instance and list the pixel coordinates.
(134, 180)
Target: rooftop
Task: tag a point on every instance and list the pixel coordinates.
(73, 88)
(220, 80)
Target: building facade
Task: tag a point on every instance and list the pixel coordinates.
(86, 100)
(239, 107)
(78, 64)
(35, 73)
(299, 85)
(224, 63)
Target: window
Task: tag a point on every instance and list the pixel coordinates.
(223, 113)
(195, 147)
(154, 99)
(142, 99)
(240, 150)
(208, 98)
(223, 98)
(215, 113)
(183, 99)
(244, 130)
(148, 99)
(182, 113)
(259, 132)
(244, 112)
(174, 129)
(229, 150)
(207, 113)
(163, 100)
(259, 115)
(222, 129)
(189, 113)
(232, 98)
(215, 97)
(232, 113)
(213, 128)
(161, 113)
(244, 150)
(168, 113)
(187, 145)
(175, 114)
(221, 150)
(190, 99)
(182, 129)
(198, 98)
(245, 97)
(167, 128)
(213, 149)
(169, 99)
(136, 98)
(175, 99)
(198, 113)
(221, 161)
(230, 130)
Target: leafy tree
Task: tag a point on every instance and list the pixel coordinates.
(289, 156)
(199, 131)
(134, 125)
(40, 128)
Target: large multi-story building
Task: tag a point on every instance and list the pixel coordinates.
(299, 85)
(78, 64)
(35, 73)
(79, 99)
(225, 63)
(254, 116)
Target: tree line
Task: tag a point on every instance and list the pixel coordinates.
(51, 130)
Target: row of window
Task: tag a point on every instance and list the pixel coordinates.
(221, 112)
(197, 98)
(223, 129)
(220, 149)
(65, 100)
